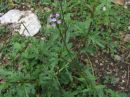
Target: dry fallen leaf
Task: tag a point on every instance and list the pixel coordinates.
(120, 2)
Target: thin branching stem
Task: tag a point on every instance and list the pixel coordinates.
(64, 32)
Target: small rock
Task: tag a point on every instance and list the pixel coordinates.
(123, 81)
(127, 38)
(129, 27)
(109, 72)
(117, 57)
(122, 88)
(111, 64)
(96, 61)
(43, 38)
(101, 64)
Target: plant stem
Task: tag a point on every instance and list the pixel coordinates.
(65, 28)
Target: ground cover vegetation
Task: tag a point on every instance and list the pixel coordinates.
(79, 52)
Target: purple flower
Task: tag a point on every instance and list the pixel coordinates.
(57, 15)
(54, 19)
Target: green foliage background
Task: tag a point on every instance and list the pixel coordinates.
(51, 67)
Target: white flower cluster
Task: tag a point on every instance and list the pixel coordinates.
(104, 8)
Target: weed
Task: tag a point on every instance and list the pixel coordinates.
(32, 67)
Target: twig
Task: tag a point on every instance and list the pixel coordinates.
(65, 30)
(128, 75)
(63, 19)
(25, 28)
(91, 65)
(20, 82)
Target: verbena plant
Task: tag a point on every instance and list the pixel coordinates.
(32, 67)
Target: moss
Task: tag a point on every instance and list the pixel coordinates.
(10, 3)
